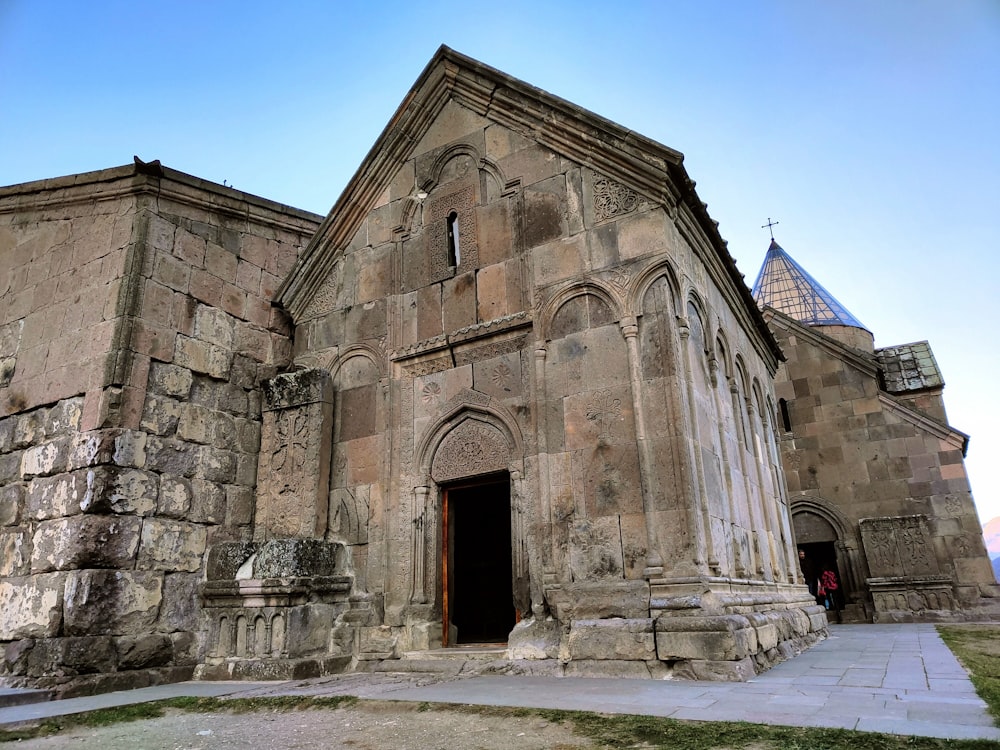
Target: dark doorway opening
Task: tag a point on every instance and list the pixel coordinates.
(478, 600)
(821, 556)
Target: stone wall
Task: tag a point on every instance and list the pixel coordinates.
(132, 416)
(883, 480)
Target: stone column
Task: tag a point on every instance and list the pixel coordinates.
(419, 545)
(766, 503)
(544, 489)
(739, 564)
(293, 471)
(647, 468)
(694, 437)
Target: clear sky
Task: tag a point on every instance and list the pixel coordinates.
(869, 130)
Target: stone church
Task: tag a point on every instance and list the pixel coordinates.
(510, 398)
(875, 474)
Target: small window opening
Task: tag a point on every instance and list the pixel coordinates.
(786, 421)
(454, 250)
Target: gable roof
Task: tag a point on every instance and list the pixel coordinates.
(784, 285)
(645, 166)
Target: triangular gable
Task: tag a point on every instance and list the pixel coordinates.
(650, 169)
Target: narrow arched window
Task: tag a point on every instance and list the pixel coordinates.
(786, 421)
(454, 251)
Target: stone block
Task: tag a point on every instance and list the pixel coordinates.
(160, 415)
(739, 670)
(10, 467)
(85, 541)
(45, 459)
(377, 640)
(11, 503)
(181, 608)
(63, 418)
(130, 449)
(54, 497)
(202, 357)
(15, 552)
(208, 502)
(171, 545)
(144, 651)
(282, 558)
(308, 629)
(239, 506)
(72, 656)
(613, 638)
(169, 456)
(216, 465)
(214, 326)
(535, 639)
(595, 600)
(124, 491)
(170, 380)
(31, 606)
(227, 558)
(715, 638)
(174, 499)
(111, 602)
(186, 651)
(618, 669)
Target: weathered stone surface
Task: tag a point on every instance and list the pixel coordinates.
(227, 558)
(85, 541)
(594, 600)
(11, 501)
(31, 606)
(170, 380)
(174, 499)
(171, 545)
(15, 552)
(740, 670)
(309, 629)
(45, 459)
(111, 489)
(613, 638)
(535, 639)
(71, 656)
(111, 602)
(294, 466)
(716, 638)
(53, 497)
(181, 608)
(143, 651)
(282, 558)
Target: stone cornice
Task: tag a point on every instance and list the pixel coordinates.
(165, 183)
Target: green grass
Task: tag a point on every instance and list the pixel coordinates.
(978, 648)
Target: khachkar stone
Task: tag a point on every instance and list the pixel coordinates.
(294, 466)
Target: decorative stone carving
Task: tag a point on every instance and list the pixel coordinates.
(472, 448)
(898, 544)
(604, 410)
(612, 198)
(463, 203)
(294, 466)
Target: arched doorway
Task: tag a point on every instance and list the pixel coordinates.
(477, 562)
(821, 535)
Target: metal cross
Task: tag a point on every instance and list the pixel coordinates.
(769, 225)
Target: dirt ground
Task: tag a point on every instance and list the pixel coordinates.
(365, 726)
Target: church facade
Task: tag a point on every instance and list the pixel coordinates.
(511, 390)
(875, 473)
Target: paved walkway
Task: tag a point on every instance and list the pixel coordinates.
(900, 679)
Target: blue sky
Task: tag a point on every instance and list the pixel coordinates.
(867, 129)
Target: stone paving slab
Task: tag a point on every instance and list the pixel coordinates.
(935, 699)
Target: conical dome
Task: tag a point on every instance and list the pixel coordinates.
(784, 285)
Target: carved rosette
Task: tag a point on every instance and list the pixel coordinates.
(470, 449)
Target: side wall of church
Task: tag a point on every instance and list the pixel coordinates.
(138, 325)
(854, 452)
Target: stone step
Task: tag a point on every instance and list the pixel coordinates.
(459, 653)
(24, 696)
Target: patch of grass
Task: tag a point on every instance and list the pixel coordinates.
(100, 718)
(250, 705)
(653, 732)
(978, 649)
